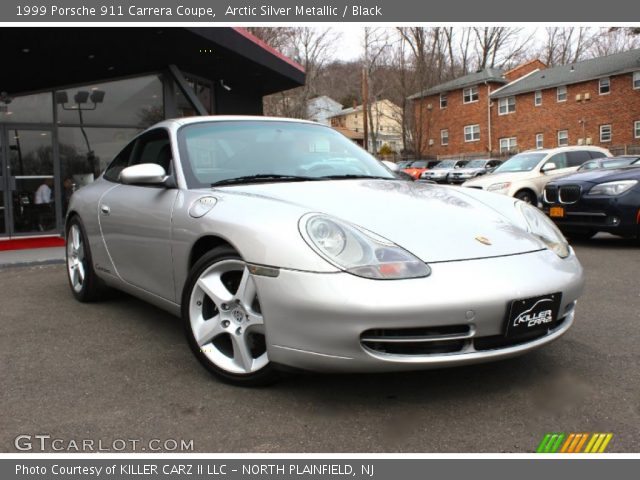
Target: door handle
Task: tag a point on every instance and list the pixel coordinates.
(105, 209)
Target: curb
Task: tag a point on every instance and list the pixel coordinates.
(34, 263)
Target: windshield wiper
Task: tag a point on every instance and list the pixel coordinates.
(354, 176)
(261, 178)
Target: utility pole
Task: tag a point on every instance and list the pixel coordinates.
(365, 107)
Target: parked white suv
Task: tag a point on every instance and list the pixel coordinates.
(525, 175)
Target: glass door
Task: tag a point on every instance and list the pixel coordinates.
(29, 181)
(4, 212)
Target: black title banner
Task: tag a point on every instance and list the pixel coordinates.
(288, 11)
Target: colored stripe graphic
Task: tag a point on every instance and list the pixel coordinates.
(574, 442)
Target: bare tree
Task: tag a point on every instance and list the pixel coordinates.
(501, 47)
(608, 41)
(564, 45)
(312, 48)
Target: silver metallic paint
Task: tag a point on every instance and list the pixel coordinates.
(314, 313)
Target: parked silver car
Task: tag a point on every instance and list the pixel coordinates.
(282, 243)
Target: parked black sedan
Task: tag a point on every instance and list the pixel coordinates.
(603, 200)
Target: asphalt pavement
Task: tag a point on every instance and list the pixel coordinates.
(121, 369)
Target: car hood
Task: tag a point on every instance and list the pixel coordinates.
(435, 223)
(603, 175)
(486, 180)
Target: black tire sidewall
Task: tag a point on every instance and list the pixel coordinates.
(262, 377)
(91, 284)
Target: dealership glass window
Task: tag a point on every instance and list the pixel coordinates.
(539, 140)
(605, 133)
(561, 93)
(506, 105)
(636, 129)
(636, 80)
(604, 86)
(508, 144)
(85, 152)
(472, 133)
(36, 108)
(444, 137)
(443, 100)
(537, 98)
(203, 91)
(470, 94)
(133, 101)
(563, 138)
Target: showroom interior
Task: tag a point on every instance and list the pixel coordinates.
(71, 98)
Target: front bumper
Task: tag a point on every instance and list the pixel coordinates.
(433, 178)
(617, 215)
(321, 321)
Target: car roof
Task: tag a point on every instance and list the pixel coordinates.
(571, 148)
(179, 122)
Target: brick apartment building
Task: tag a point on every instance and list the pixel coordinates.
(492, 112)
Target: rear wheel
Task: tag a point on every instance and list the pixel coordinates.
(84, 283)
(223, 320)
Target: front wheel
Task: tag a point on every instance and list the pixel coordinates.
(223, 320)
(527, 196)
(85, 284)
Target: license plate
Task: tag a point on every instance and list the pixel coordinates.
(532, 315)
(556, 212)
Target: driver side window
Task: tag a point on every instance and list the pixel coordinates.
(152, 147)
(560, 159)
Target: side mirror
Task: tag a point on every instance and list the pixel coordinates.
(547, 167)
(144, 173)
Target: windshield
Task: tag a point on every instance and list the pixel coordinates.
(446, 164)
(523, 162)
(475, 164)
(213, 152)
(419, 164)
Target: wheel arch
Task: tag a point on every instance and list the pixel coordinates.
(205, 244)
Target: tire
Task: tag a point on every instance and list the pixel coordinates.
(526, 196)
(85, 284)
(223, 322)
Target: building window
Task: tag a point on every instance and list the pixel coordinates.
(508, 144)
(636, 129)
(636, 80)
(563, 138)
(444, 137)
(506, 105)
(604, 86)
(561, 94)
(539, 140)
(133, 101)
(443, 100)
(537, 98)
(470, 94)
(605, 133)
(472, 133)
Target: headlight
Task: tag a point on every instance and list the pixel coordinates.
(612, 189)
(359, 252)
(539, 225)
(498, 186)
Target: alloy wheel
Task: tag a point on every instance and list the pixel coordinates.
(76, 258)
(226, 320)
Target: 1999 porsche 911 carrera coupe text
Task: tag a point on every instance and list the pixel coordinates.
(281, 243)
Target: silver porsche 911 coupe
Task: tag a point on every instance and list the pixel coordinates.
(281, 243)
